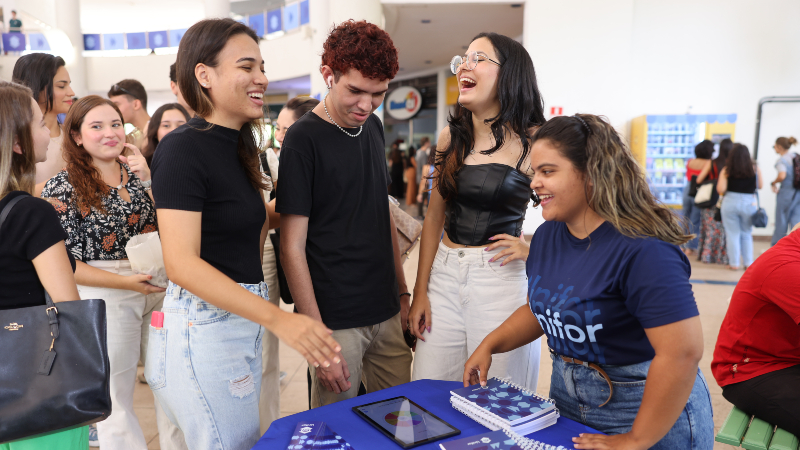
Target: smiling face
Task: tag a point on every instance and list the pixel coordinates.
(170, 120)
(558, 183)
(353, 97)
(477, 88)
(62, 92)
(102, 133)
(41, 134)
(237, 84)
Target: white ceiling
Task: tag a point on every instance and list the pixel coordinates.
(451, 29)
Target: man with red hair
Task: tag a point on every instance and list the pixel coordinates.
(338, 239)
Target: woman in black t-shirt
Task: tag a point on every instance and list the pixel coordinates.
(204, 364)
(32, 252)
(738, 184)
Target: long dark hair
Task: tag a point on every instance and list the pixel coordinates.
(725, 147)
(301, 105)
(17, 171)
(202, 44)
(614, 182)
(37, 71)
(155, 123)
(521, 107)
(740, 164)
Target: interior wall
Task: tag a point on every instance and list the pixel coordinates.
(626, 58)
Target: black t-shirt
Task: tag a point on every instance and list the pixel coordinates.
(196, 168)
(31, 227)
(339, 183)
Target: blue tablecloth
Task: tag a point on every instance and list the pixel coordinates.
(430, 394)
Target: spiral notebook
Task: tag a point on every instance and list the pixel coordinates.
(504, 405)
(316, 435)
(497, 440)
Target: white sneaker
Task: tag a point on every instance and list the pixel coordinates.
(93, 440)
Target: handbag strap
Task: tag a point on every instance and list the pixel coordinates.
(51, 307)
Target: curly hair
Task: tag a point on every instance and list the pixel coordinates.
(615, 184)
(362, 46)
(85, 178)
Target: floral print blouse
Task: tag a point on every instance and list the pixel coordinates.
(92, 235)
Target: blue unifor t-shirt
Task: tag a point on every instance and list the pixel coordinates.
(594, 297)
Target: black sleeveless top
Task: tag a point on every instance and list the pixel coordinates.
(491, 199)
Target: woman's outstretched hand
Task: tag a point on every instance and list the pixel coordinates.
(309, 337)
(625, 441)
(476, 369)
(518, 248)
(419, 316)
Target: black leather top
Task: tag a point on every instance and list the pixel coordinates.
(491, 200)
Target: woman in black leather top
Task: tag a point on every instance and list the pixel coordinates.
(473, 278)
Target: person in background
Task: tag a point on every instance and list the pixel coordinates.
(609, 286)
(787, 204)
(33, 257)
(212, 220)
(411, 176)
(397, 169)
(473, 278)
(173, 86)
(291, 113)
(339, 243)
(702, 152)
(712, 245)
(737, 184)
(103, 200)
(421, 158)
(47, 76)
(166, 119)
(14, 24)
(757, 355)
(131, 99)
(426, 181)
(271, 375)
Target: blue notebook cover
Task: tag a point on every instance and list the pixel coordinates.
(316, 436)
(494, 440)
(505, 401)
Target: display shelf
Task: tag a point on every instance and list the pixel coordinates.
(667, 185)
(673, 156)
(674, 144)
(671, 133)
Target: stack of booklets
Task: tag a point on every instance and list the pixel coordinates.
(317, 436)
(497, 440)
(504, 405)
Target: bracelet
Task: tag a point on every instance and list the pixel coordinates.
(405, 293)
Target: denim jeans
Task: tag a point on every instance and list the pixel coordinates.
(578, 390)
(737, 218)
(204, 366)
(692, 214)
(470, 297)
(787, 212)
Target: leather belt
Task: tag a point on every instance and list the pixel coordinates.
(590, 365)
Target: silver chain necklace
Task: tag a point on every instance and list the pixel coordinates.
(324, 105)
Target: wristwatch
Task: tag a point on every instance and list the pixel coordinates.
(146, 184)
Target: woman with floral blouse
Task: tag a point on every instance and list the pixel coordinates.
(103, 199)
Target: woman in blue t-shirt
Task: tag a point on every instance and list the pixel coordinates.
(609, 286)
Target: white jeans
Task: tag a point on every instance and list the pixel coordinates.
(269, 405)
(127, 314)
(470, 297)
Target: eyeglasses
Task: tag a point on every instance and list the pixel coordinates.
(470, 60)
(117, 87)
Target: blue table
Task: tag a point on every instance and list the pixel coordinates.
(430, 394)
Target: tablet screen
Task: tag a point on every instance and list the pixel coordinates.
(405, 421)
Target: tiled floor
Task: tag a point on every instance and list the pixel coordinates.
(712, 301)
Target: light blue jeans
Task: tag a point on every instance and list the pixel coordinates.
(787, 212)
(204, 366)
(579, 390)
(737, 218)
(692, 214)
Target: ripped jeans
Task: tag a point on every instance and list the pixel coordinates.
(204, 366)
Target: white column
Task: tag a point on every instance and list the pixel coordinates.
(320, 23)
(217, 8)
(369, 10)
(441, 100)
(68, 21)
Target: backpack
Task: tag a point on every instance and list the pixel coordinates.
(796, 170)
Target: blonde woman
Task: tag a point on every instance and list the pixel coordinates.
(32, 252)
(609, 286)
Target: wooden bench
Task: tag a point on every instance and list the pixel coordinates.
(749, 432)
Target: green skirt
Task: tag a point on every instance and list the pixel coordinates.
(69, 439)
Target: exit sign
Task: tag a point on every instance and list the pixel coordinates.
(556, 110)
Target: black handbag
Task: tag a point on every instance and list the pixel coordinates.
(760, 218)
(693, 186)
(54, 370)
(706, 195)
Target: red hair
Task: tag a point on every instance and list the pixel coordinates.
(362, 46)
(85, 178)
